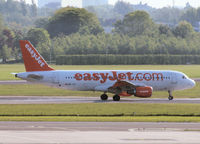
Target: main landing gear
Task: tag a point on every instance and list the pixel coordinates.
(104, 97)
(116, 97)
(170, 95)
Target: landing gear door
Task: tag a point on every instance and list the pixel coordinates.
(173, 78)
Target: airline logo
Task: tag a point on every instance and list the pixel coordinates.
(34, 55)
(103, 77)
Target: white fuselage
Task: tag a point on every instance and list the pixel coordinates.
(101, 80)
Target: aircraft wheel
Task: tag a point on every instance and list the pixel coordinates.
(170, 97)
(104, 97)
(116, 98)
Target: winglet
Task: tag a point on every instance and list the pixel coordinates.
(33, 61)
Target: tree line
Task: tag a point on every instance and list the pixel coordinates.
(76, 31)
(103, 59)
(171, 16)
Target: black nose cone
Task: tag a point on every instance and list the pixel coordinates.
(16, 75)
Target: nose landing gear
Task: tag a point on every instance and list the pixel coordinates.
(170, 95)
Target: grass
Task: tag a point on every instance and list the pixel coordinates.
(191, 70)
(102, 119)
(102, 112)
(6, 70)
(41, 90)
(100, 109)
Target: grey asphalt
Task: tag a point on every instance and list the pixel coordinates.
(99, 133)
(13, 82)
(78, 99)
(99, 126)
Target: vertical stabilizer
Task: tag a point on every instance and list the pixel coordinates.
(33, 61)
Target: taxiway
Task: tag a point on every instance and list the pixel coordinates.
(78, 99)
(99, 133)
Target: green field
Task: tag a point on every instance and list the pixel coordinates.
(102, 112)
(101, 119)
(192, 71)
(100, 109)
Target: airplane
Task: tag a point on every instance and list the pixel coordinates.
(140, 83)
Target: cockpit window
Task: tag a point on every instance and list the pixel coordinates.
(184, 77)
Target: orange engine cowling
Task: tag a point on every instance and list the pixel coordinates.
(144, 92)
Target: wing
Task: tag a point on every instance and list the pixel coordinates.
(124, 88)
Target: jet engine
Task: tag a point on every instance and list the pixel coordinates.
(143, 92)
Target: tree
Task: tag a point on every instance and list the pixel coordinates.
(23, 7)
(70, 20)
(135, 23)
(1, 23)
(167, 15)
(198, 14)
(41, 22)
(38, 35)
(33, 9)
(5, 53)
(183, 30)
(164, 29)
(19, 35)
(191, 16)
(123, 8)
(40, 38)
(7, 39)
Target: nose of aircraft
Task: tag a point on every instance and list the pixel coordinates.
(191, 83)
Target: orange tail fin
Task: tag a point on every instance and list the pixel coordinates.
(33, 61)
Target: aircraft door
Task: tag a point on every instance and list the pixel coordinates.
(174, 78)
(55, 78)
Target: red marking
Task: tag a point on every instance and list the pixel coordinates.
(96, 77)
(121, 76)
(87, 77)
(147, 76)
(138, 75)
(124, 94)
(114, 77)
(129, 74)
(78, 76)
(103, 77)
(157, 74)
(33, 61)
(119, 84)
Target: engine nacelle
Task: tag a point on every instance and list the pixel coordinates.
(143, 92)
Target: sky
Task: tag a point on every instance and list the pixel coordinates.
(162, 3)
